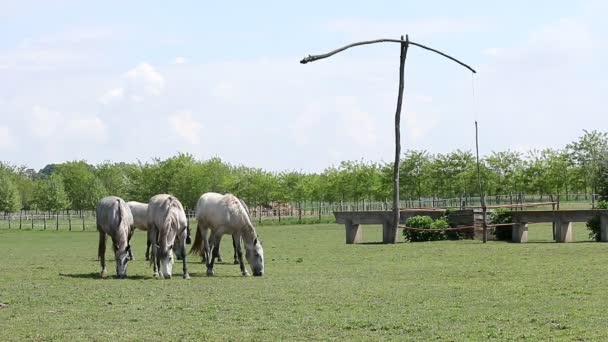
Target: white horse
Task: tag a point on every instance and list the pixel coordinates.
(167, 224)
(114, 218)
(225, 214)
(216, 250)
(140, 220)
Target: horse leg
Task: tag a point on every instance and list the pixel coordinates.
(177, 242)
(101, 252)
(131, 231)
(210, 259)
(236, 257)
(182, 251)
(155, 259)
(148, 243)
(216, 251)
(236, 237)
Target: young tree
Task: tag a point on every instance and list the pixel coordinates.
(50, 195)
(587, 153)
(83, 188)
(10, 201)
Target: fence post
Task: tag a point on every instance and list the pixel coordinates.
(9, 221)
(20, 217)
(32, 217)
(69, 220)
(57, 220)
(82, 215)
(44, 218)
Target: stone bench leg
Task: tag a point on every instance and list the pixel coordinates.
(604, 228)
(389, 235)
(354, 233)
(519, 233)
(563, 231)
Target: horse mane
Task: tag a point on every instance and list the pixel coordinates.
(121, 239)
(171, 225)
(249, 230)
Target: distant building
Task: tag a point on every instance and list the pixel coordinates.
(31, 173)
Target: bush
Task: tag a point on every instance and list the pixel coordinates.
(593, 225)
(502, 215)
(424, 222)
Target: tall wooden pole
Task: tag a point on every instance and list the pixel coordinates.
(396, 205)
(404, 44)
(482, 198)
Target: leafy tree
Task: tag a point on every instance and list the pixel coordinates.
(587, 153)
(10, 201)
(50, 194)
(114, 178)
(83, 188)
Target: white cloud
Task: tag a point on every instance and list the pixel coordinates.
(47, 123)
(419, 117)
(73, 47)
(138, 83)
(145, 79)
(186, 126)
(354, 124)
(304, 124)
(44, 122)
(364, 28)
(112, 95)
(87, 128)
(179, 60)
(225, 89)
(6, 139)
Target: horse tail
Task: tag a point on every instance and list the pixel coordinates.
(197, 246)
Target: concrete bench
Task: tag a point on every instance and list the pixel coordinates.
(353, 220)
(562, 220)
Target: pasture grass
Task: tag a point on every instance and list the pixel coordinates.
(315, 288)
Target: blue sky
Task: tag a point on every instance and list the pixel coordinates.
(128, 81)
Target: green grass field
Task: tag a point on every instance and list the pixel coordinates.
(315, 287)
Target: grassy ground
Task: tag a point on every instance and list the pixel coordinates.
(315, 287)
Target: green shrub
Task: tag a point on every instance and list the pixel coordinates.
(593, 225)
(502, 215)
(425, 222)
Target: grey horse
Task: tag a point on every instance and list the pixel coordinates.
(225, 214)
(167, 224)
(114, 218)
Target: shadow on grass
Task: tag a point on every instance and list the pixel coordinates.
(95, 275)
(374, 243)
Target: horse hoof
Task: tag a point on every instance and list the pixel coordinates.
(236, 262)
(167, 277)
(245, 274)
(155, 275)
(186, 276)
(220, 260)
(210, 273)
(104, 274)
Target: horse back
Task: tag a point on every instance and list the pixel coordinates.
(224, 212)
(113, 214)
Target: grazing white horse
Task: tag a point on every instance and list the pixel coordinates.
(225, 214)
(167, 224)
(114, 218)
(216, 250)
(140, 220)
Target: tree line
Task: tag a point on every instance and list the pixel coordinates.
(579, 167)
